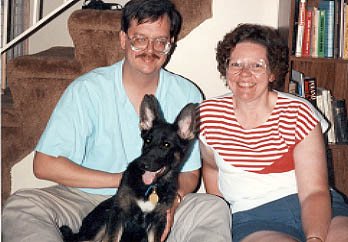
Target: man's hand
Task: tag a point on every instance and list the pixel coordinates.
(170, 218)
(170, 221)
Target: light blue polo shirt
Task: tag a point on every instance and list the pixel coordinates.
(95, 125)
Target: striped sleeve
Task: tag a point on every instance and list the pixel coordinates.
(306, 122)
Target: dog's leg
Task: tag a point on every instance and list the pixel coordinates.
(115, 228)
(151, 236)
(115, 237)
(158, 226)
(93, 224)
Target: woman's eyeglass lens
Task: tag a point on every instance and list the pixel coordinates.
(236, 67)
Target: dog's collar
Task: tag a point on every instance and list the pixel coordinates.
(152, 186)
(153, 197)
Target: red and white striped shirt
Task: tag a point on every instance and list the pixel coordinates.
(256, 165)
(264, 149)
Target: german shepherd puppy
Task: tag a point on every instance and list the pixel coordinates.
(137, 213)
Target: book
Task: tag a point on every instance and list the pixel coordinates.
(300, 27)
(324, 104)
(331, 29)
(320, 102)
(310, 89)
(329, 113)
(314, 32)
(341, 28)
(295, 26)
(328, 6)
(293, 87)
(306, 40)
(345, 37)
(298, 78)
(321, 33)
(336, 30)
(340, 121)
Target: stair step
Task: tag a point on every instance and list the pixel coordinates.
(9, 115)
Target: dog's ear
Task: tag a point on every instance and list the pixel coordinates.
(187, 121)
(149, 112)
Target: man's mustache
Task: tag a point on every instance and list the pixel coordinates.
(151, 55)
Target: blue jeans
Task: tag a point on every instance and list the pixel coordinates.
(282, 215)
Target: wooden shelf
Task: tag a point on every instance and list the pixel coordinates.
(339, 167)
(320, 60)
(332, 74)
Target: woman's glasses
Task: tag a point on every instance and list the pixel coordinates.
(255, 67)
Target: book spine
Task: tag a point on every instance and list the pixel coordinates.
(320, 102)
(293, 88)
(341, 122)
(300, 27)
(321, 32)
(341, 29)
(331, 29)
(310, 89)
(306, 41)
(314, 32)
(298, 78)
(327, 101)
(336, 28)
(329, 7)
(295, 27)
(345, 38)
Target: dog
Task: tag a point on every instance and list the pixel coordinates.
(138, 211)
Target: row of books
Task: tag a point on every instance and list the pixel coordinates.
(322, 30)
(333, 110)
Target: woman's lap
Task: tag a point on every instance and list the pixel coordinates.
(282, 215)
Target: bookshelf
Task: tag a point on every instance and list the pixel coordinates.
(331, 74)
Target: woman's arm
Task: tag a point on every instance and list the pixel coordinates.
(209, 170)
(312, 182)
(66, 172)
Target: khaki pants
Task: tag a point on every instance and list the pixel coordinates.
(35, 215)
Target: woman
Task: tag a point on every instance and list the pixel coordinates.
(263, 150)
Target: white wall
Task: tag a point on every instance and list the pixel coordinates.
(56, 32)
(194, 57)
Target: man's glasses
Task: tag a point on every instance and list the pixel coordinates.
(160, 45)
(236, 67)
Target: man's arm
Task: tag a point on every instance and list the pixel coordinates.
(188, 182)
(63, 171)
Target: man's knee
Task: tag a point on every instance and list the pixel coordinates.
(17, 198)
(208, 200)
(202, 205)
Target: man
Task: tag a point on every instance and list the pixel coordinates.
(93, 134)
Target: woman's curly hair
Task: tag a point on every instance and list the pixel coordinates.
(277, 50)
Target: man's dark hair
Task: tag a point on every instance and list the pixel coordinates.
(150, 11)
